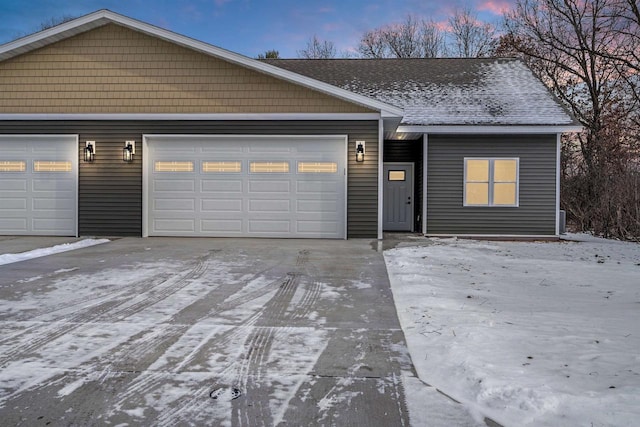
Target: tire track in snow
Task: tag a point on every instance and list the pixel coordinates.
(141, 386)
(257, 349)
(85, 312)
(246, 373)
(104, 312)
(157, 294)
(239, 374)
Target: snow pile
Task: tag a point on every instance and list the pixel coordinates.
(37, 253)
(526, 333)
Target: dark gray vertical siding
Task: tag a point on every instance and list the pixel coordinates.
(110, 193)
(445, 174)
(409, 152)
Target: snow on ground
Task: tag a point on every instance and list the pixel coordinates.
(37, 253)
(527, 333)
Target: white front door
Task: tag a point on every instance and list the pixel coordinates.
(398, 197)
(38, 185)
(246, 186)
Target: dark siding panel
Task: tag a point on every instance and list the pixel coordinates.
(536, 213)
(110, 190)
(409, 152)
(110, 194)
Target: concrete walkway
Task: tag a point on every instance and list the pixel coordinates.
(169, 331)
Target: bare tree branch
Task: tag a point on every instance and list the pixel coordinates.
(318, 49)
(471, 38)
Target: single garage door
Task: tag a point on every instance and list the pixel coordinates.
(252, 186)
(38, 185)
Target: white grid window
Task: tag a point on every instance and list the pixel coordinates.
(491, 181)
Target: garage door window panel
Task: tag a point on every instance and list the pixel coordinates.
(51, 166)
(177, 166)
(222, 167)
(269, 167)
(13, 166)
(317, 167)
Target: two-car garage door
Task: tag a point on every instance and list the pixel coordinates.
(38, 185)
(253, 186)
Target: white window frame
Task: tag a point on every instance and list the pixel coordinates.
(491, 182)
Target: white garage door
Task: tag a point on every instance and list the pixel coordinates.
(253, 186)
(38, 185)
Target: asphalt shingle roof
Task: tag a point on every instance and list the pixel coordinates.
(443, 91)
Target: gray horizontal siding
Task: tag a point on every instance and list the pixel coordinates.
(445, 175)
(110, 194)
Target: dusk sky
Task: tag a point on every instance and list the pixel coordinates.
(250, 27)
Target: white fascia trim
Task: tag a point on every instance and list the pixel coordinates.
(558, 147)
(103, 17)
(38, 135)
(39, 39)
(197, 116)
(380, 178)
(550, 129)
(425, 182)
(145, 187)
(240, 136)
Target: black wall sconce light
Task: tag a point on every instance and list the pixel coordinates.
(128, 151)
(359, 151)
(90, 151)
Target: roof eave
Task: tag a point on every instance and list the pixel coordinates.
(490, 129)
(104, 17)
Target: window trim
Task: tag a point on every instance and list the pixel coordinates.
(491, 183)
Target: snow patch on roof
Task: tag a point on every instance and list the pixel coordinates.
(500, 93)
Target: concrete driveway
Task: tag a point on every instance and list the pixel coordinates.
(169, 331)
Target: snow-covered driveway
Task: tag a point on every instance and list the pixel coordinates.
(207, 332)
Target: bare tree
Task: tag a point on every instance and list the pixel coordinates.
(318, 49)
(580, 49)
(433, 40)
(373, 44)
(471, 38)
(412, 38)
(269, 54)
(52, 22)
(403, 39)
(624, 16)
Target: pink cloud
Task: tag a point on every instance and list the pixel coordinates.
(443, 25)
(497, 7)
